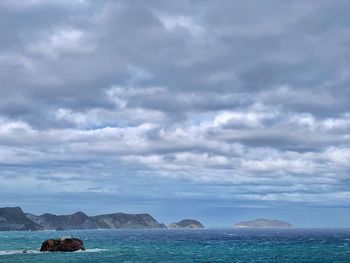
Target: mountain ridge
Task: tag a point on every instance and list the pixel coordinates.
(13, 218)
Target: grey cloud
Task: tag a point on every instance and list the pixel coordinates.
(129, 93)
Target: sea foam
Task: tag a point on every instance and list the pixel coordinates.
(17, 252)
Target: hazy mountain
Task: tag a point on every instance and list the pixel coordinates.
(264, 223)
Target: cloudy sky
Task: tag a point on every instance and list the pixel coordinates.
(215, 110)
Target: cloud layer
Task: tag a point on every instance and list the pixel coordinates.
(231, 104)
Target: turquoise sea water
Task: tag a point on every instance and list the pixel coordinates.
(203, 245)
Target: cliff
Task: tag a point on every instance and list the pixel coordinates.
(121, 220)
(13, 219)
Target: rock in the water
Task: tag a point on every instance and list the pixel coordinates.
(63, 244)
(187, 223)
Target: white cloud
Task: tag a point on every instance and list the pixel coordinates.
(62, 40)
(339, 156)
(176, 22)
(185, 95)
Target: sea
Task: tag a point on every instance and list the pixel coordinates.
(181, 245)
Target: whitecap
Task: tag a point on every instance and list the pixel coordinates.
(91, 250)
(15, 252)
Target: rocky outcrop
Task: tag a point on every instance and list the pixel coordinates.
(75, 221)
(264, 223)
(13, 219)
(63, 245)
(187, 223)
(121, 220)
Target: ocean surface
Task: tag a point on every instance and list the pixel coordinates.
(200, 245)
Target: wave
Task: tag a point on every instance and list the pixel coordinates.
(17, 252)
(89, 250)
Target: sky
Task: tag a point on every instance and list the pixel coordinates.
(220, 111)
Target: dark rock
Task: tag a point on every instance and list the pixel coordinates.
(63, 245)
(13, 219)
(264, 223)
(187, 223)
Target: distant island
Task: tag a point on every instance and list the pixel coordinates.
(187, 223)
(14, 219)
(264, 223)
